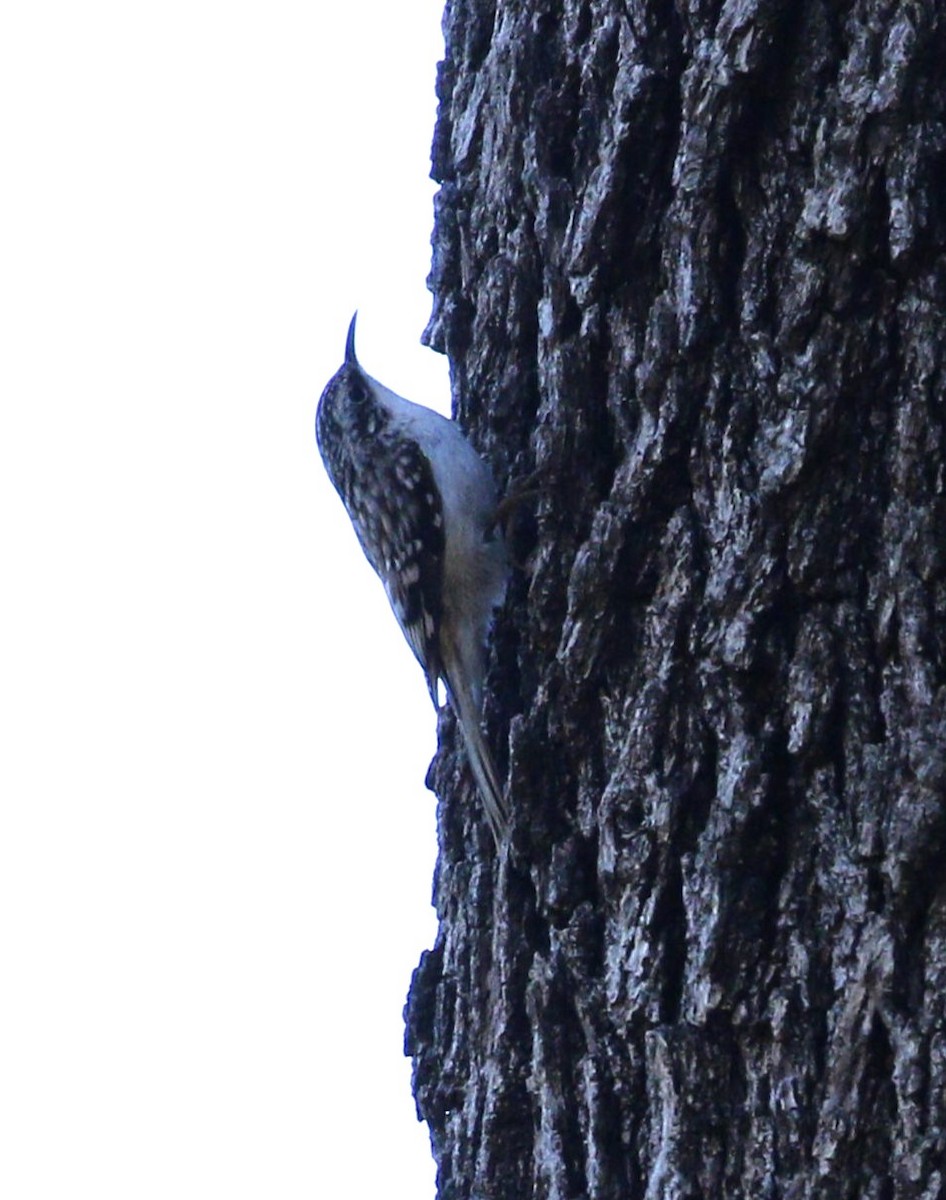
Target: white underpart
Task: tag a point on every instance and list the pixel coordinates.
(474, 575)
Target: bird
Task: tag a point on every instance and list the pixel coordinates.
(424, 507)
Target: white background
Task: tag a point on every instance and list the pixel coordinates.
(215, 844)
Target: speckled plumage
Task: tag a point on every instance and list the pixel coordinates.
(422, 503)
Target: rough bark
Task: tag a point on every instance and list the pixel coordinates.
(689, 266)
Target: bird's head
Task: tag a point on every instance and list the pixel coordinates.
(349, 413)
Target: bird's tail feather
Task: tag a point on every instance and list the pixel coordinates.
(481, 761)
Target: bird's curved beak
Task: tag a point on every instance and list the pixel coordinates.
(350, 357)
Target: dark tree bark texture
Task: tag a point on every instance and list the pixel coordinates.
(689, 268)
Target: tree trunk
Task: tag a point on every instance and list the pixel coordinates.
(689, 267)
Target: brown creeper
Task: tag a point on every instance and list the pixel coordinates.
(423, 505)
